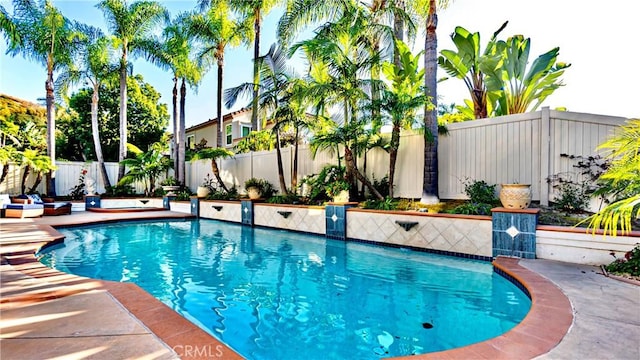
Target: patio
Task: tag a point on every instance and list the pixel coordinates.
(48, 314)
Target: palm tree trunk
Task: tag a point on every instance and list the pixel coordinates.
(220, 57)
(283, 185)
(294, 174)
(25, 175)
(37, 182)
(5, 172)
(51, 129)
(181, 134)
(255, 125)
(122, 150)
(350, 164)
(398, 32)
(393, 154)
(216, 173)
(174, 103)
(95, 131)
(430, 177)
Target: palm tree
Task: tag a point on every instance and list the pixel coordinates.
(132, 25)
(175, 53)
(621, 180)
(215, 30)
(214, 154)
(430, 172)
(277, 79)
(8, 27)
(94, 66)
(49, 38)
(253, 11)
(402, 97)
(33, 160)
(146, 166)
(344, 135)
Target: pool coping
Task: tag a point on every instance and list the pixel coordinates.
(548, 321)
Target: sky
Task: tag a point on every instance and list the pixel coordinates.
(595, 38)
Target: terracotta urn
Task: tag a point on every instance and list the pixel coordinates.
(515, 196)
(342, 197)
(202, 191)
(253, 192)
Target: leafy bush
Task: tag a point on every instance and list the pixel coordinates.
(382, 185)
(629, 264)
(472, 209)
(265, 187)
(480, 192)
(284, 199)
(386, 204)
(571, 197)
(317, 183)
(223, 195)
(119, 191)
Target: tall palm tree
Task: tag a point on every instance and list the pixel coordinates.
(254, 11)
(427, 9)
(277, 79)
(175, 52)
(215, 29)
(401, 98)
(94, 65)
(131, 24)
(8, 28)
(50, 39)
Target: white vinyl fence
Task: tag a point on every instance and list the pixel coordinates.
(523, 148)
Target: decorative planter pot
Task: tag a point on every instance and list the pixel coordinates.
(515, 196)
(170, 188)
(342, 197)
(202, 191)
(253, 192)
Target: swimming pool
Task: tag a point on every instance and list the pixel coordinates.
(272, 294)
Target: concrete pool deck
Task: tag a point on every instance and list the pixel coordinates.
(48, 314)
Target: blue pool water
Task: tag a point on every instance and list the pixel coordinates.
(273, 294)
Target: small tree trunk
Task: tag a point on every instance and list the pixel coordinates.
(294, 175)
(393, 154)
(37, 182)
(216, 173)
(5, 172)
(350, 162)
(25, 175)
(283, 185)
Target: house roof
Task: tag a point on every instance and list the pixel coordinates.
(225, 117)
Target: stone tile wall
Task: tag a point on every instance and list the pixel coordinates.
(308, 219)
(229, 210)
(466, 235)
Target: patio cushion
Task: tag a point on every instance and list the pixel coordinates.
(4, 200)
(24, 206)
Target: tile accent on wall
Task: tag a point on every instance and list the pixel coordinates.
(91, 201)
(514, 232)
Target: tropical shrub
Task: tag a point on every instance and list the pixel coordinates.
(629, 264)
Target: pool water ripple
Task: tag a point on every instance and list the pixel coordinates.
(272, 294)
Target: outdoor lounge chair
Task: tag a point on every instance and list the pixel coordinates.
(50, 207)
(16, 208)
